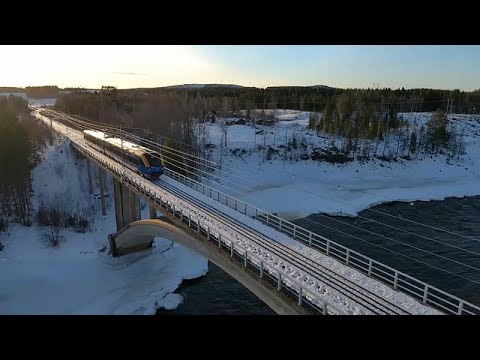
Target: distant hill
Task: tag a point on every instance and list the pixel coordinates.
(325, 87)
(201, 86)
(321, 87)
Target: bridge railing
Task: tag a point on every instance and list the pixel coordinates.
(285, 283)
(427, 294)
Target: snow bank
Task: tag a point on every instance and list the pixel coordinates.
(296, 189)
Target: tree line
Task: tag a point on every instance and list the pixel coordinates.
(305, 98)
(357, 122)
(21, 139)
(364, 133)
(316, 98)
(38, 92)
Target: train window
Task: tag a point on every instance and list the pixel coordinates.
(133, 159)
(153, 159)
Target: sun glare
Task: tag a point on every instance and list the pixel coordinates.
(94, 65)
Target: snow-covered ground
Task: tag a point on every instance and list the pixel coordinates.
(42, 102)
(31, 101)
(19, 94)
(80, 277)
(295, 189)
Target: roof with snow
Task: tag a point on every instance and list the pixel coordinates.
(119, 143)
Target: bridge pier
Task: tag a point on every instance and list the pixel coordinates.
(152, 211)
(90, 182)
(101, 183)
(127, 205)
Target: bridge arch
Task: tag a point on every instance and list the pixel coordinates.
(140, 234)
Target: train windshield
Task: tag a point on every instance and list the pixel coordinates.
(153, 159)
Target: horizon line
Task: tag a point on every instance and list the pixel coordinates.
(245, 86)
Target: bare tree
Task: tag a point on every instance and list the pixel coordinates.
(385, 142)
(224, 129)
(226, 106)
(52, 237)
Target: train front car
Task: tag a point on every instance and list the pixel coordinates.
(154, 165)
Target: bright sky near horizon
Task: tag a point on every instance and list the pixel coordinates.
(346, 66)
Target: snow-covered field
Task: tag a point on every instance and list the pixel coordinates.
(32, 101)
(42, 102)
(19, 94)
(80, 277)
(295, 189)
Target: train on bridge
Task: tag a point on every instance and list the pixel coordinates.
(144, 161)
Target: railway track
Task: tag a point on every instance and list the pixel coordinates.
(344, 286)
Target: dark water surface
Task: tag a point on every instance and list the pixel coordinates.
(218, 293)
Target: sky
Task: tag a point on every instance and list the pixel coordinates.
(345, 66)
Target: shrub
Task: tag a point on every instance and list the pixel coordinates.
(82, 225)
(3, 224)
(52, 237)
(69, 221)
(43, 217)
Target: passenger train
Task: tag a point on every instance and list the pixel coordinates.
(144, 161)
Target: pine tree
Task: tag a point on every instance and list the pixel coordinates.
(379, 135)
(385, 142)
(328, 115)
(413, 143)
(461, 146)
(16, 159)
(345, 107)
(320, 125)
(313, 121)
(437, 135)
(393, 122)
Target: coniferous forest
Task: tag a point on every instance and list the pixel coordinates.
(21, 140)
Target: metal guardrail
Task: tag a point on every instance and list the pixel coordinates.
(284, 282)
(427, 294)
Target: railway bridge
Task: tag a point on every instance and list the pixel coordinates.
(254, 246)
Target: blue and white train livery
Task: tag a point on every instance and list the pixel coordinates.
(144, 161)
